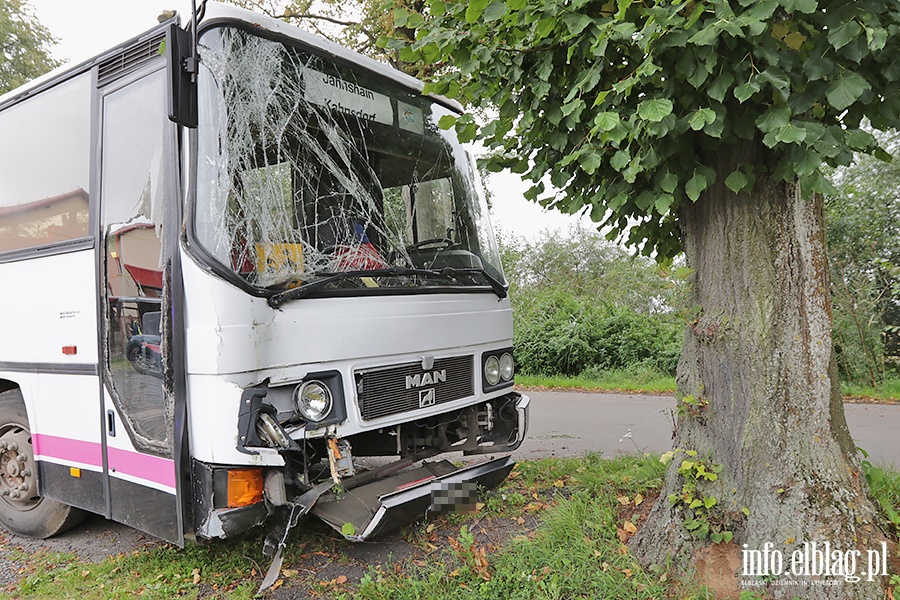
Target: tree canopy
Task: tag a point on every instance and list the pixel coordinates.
(24, 45)
(623, 107)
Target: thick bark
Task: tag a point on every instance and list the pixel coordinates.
(758, 359)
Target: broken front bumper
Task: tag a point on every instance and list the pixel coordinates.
(395, 501)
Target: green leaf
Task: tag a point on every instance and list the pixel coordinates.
(447, 121)
(816, 67)
(664, 203)
(709, 502)
(720, 86)
(701, 117)
(846, 90)
(743, 92)
(516, 4)
(606, 121)
(474, 10)
(695, 186)
(669, 182)
(790, 134)
(400, 17)
(590, 161)
(576, 22)
(543, 27)
(736, 181)
(348, 529)
(876, 38)
(859, 139)
(696, 503)
(620, 160)
(778, 78)
(706, 36)
(655, 109)
(716, 538)
(466, 132)
(494, 11)
(775, 117)
(806, 6)
(842, 35)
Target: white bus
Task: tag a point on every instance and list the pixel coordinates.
(232, 263)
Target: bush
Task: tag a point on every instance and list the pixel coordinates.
(556, 333)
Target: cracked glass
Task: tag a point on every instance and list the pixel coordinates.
(312, 170)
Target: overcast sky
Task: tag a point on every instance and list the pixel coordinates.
(86, 28)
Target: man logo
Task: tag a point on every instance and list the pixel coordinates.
(426, 397)
(432, 378)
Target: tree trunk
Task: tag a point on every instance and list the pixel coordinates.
(759, 395)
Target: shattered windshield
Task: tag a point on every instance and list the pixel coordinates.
(310, 170)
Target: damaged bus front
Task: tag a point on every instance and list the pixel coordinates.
(257, 258)
(344, 293)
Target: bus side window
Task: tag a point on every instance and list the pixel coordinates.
(45, 167)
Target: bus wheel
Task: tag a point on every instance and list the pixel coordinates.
(22, 510)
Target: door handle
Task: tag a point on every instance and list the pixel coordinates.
(111, 423)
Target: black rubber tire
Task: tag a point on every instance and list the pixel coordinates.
(30, 515)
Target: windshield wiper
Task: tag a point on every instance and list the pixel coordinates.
(279, 299)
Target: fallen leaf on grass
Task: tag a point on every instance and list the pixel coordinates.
(605, 567)
(520, 521)
(630, 527)
(289, 573)
(638, 500)
(277, 584)
(431, 527)
(196, 574)
(624, 500)
(626, 572)
(559, 483)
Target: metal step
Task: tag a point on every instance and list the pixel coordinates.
(394, 501)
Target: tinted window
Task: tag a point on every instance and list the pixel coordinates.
(45, 167)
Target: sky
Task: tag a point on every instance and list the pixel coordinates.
(85, 29)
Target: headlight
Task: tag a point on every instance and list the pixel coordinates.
(492, 370)
(507, 369)
(313, 400)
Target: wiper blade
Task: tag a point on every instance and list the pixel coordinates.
(281, 298)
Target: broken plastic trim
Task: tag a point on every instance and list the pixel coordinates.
(281, 298)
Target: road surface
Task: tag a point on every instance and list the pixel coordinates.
(572, 423)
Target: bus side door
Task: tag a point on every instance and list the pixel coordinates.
(138, 191)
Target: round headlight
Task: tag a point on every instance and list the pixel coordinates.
(313, 400)
(492, 370)
(506, 366)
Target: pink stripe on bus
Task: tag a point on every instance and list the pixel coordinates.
(152, 468)
(87, 453)
(143, 466)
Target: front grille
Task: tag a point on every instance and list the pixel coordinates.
(403, 388)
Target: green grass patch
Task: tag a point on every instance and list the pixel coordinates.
(888, 390)
(574, 552)
(617, 381)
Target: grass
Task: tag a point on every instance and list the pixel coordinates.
(653, 382)
(889, 390)
(563, 522)
(621, 381)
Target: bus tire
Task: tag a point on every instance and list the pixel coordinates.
(22, 510)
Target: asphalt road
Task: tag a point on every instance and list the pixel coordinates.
(572, 423)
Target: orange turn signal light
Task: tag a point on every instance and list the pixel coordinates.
(245, 487)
